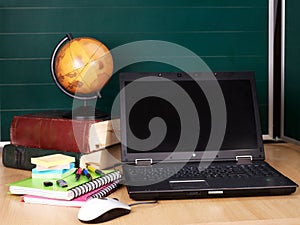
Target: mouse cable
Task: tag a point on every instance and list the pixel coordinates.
(143, 203)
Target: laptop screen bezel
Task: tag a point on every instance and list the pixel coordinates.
(224, 155)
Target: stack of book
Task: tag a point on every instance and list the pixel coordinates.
(50, 132)
(55, 181)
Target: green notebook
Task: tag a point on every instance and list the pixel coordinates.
(74, 189)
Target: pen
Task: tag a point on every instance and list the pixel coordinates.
(86, 173)
(78, 173)
(90, 168)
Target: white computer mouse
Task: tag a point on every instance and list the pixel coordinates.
(100, 210)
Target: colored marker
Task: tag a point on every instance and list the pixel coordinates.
(90, 168)
(86, 173)
(78, 173)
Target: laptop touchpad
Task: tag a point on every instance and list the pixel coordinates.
(188, 184)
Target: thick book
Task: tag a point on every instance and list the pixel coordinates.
(52, 130)
(74, 189)
(76, 202)
(103, 159)
(19, 157)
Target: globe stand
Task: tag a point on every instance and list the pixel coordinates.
(84, 112)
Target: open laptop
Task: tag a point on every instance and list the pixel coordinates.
(194, 135)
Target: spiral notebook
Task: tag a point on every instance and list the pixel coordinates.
(76, 202)
(75, 188)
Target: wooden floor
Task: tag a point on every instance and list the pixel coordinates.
(271, 210)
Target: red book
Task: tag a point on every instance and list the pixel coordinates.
(51, 130)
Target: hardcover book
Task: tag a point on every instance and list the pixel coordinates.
(19, 157)
(52, 130)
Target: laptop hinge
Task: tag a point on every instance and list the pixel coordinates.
(143, 162)
(244, 159)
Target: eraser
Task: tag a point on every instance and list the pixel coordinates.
(48, 183)
(62, 183)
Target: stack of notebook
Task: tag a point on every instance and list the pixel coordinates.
(44, 187)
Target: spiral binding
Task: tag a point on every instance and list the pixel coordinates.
(96, 183)
(105, 191)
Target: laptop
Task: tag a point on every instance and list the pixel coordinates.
(194, 135)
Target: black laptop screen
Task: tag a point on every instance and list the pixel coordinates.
(240, 132)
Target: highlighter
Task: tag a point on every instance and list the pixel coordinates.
(90, 168)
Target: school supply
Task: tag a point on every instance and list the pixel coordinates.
(53, 174)
(76, 202)
(19, 157)
(75, 188)
(52, 160)
(58, 167)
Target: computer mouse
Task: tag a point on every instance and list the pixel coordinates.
(101, 210)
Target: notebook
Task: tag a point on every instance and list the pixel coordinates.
(30, 186)
(194, 135)
(100, 192)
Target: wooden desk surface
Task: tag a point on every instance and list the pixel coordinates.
(271, 210)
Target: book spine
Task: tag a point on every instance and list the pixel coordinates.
(19, 157)
(50, 133)
(94, 184)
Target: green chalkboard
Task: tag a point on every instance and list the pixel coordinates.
(229, 35)
(291, 127)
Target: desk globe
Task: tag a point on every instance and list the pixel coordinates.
(81, 67)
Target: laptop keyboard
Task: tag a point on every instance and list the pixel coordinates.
(193, 171)
(234, 171)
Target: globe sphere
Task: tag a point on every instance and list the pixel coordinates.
(83, 66)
